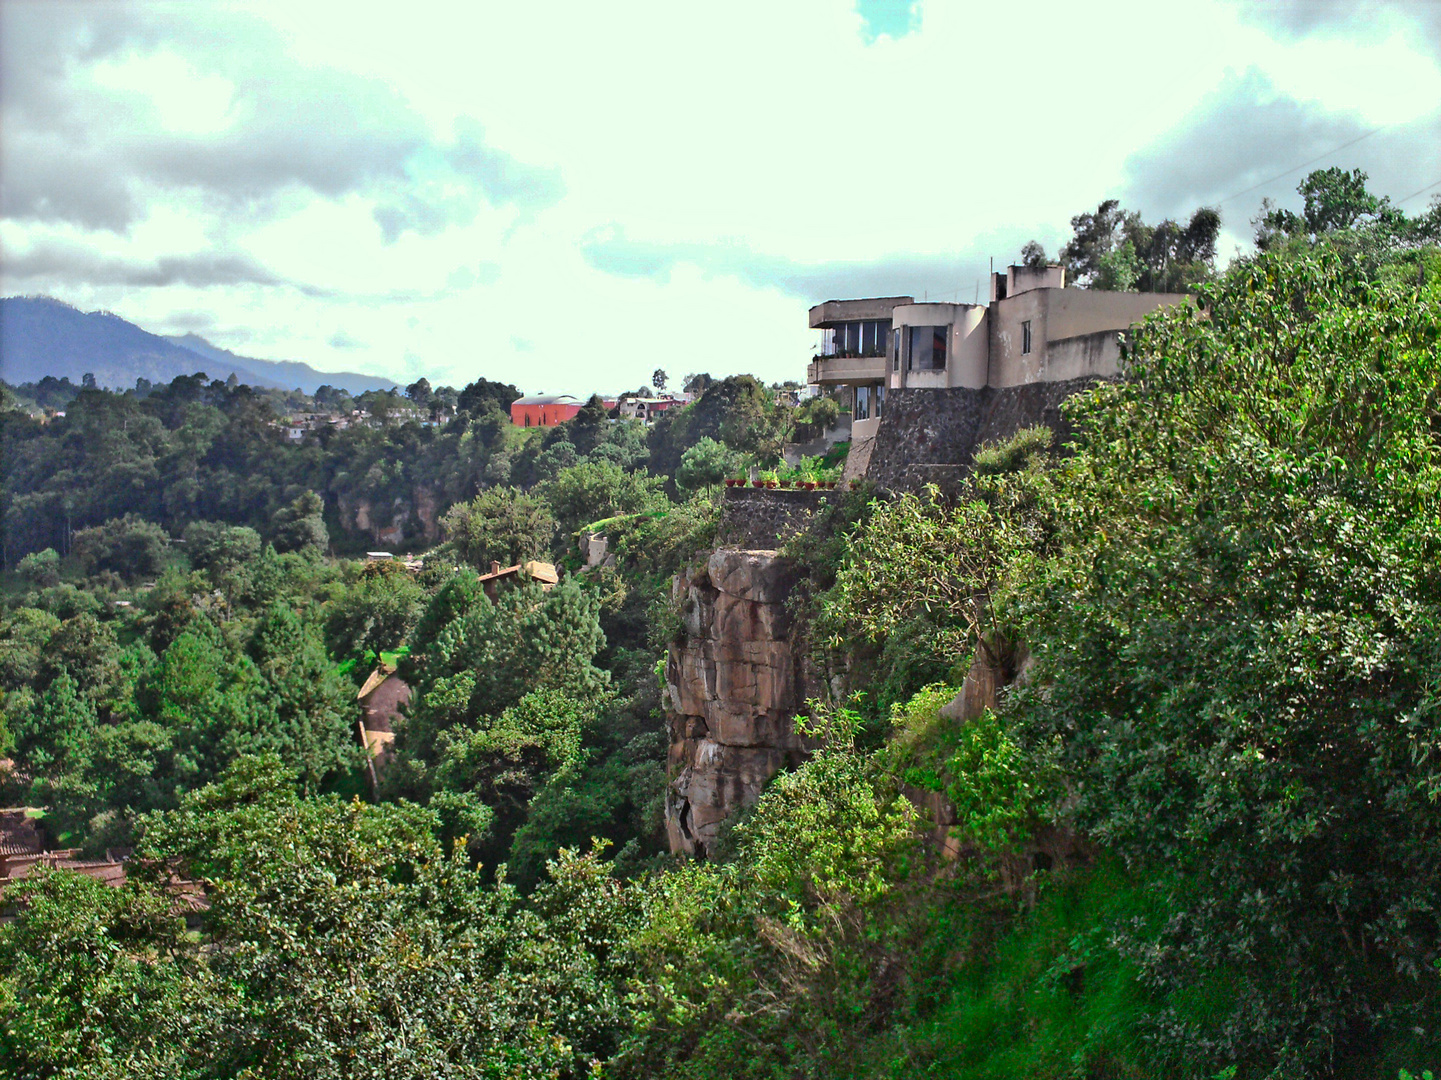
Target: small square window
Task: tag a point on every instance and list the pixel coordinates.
(1026, 336)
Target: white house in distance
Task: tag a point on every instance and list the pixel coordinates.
(1033, 330)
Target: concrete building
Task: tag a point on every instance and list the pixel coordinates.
(1034, 330)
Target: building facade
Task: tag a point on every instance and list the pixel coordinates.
(543, 410)
(1033, 330)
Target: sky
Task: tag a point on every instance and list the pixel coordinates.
(567, 196)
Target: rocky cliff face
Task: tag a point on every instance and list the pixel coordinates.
(392, 523)
(733, 685)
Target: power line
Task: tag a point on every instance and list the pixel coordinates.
(1423, 191)
(1301, 166)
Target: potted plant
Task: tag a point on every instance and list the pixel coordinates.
(769, 479)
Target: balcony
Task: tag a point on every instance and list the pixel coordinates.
(833, 370)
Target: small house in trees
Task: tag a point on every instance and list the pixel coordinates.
(381, 699)
(542, 572)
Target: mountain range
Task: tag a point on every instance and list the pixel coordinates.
(42, 336)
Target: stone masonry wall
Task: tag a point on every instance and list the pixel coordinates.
(762, 518)
(930, 436)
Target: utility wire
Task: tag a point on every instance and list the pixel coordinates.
(1423, 191)
(1298, 168)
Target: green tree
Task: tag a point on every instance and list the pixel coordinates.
(40, 568)
(594, 490)
(344, 933)
(220, 549)
(101, 982)
(373, 615)
(501, 525)
(312, 713)
(1231, 608)
(1115, 249)
(129, 546)
(706, 464)
(300, 524)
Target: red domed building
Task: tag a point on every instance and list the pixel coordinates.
(543, 410)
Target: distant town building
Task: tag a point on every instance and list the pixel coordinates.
(544, 410)
(647, 408)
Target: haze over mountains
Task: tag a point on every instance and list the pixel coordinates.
(41, 336)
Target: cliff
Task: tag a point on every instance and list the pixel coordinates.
(733, 685)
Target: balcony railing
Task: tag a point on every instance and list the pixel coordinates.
(846, 369)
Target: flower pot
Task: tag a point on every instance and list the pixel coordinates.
(809, 485)
(758, 483)
(784, 483)
(771, 484)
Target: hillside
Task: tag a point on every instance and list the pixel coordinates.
(41, 336)
(289, 374)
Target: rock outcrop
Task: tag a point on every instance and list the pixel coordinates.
(733, 685)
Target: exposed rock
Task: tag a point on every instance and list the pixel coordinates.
(989, 672)
(733, 685)
(427, 512)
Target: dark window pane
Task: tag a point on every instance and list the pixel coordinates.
(928, 348)
(862, 409)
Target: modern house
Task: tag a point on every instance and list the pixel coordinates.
(1034, 330)
(647, 408)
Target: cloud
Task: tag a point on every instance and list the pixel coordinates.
(463, 277)
(341, 340)
(889, 18)
(89, 94)
(190, 321)
(49, 262)
(1242, 133)
(1298, 20)
(954, 276)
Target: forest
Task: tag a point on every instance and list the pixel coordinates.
(1217, 597)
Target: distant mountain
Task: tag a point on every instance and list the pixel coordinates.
(286, 373)
(40, 336)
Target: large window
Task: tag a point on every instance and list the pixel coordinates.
(926, 350)
(866, 338)
(869, 400)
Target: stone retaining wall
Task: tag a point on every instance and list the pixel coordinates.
(762, 518)
(930, 436)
